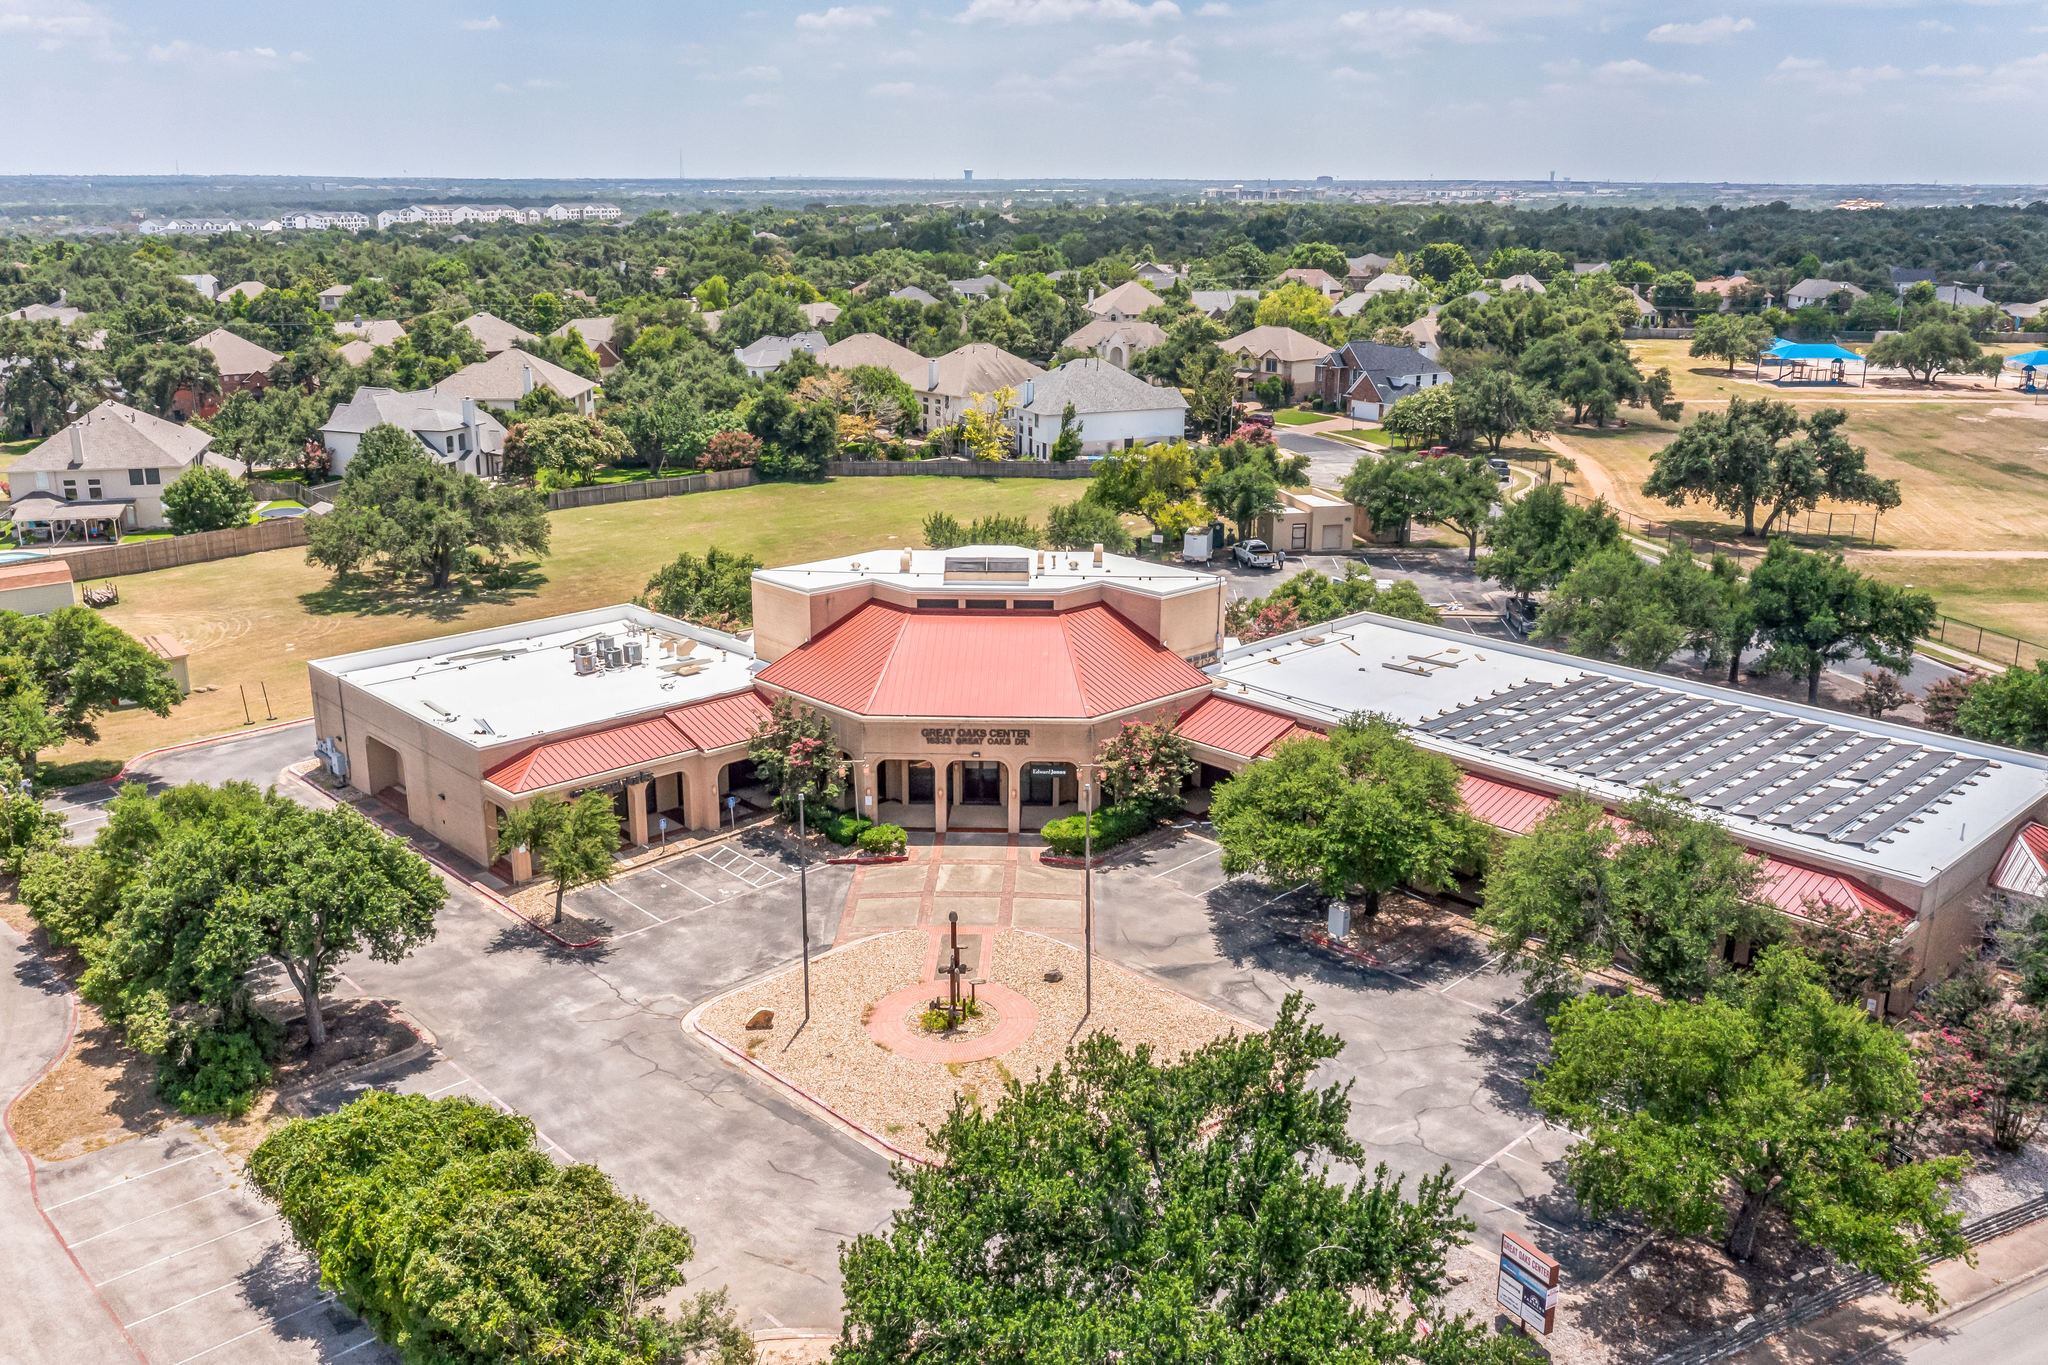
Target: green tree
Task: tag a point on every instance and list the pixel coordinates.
(1733, 337)
(1363, 808)
(1928, 349)
(207, 499)
(1492, 404)
(381, 445)
(1459, 494)
(575, 842)
(45, 373)
(1295, 305)
(438, 1223)
(763, 313)
(563, 450)
(1392, 488)
(1765, 454)
(796, 754)
(1614, 604)
(943, 531)
(422, 519)
(1145, 765)
(1425, 418)
(1208, 378)
(2008, 708)
(1810, 610)
(1080, 524)
(1660, 896)
(157, 374)
(1439, 261)
(1243, 494)
(1151, 1210)
(544, 313)
(1067, 445)
(83, 666)
(716, 591)
(1542, 536)
(1768, 1093)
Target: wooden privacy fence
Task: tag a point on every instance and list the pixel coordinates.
(291, 490)
(599, 494)
(964, 469)
(140, 556)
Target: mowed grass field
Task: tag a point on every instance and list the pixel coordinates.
(252, 623)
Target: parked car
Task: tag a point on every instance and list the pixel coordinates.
(1500, 467)
(1261, 418)
(1518, 615)
(1255, 554)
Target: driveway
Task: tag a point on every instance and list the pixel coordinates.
(1329, 462)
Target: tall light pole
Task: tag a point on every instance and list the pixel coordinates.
(1088, 899)
(803, 902)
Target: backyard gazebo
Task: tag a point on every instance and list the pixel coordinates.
(2028, 363)
(1810, 363)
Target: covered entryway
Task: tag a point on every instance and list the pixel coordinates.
(386, 771)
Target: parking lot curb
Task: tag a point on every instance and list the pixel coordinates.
(424, 1041)
(35, 1196)
(209, 739)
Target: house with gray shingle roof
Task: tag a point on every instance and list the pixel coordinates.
(1115, 410)
(455, 431)
(107, 470)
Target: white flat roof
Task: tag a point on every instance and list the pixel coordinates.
(1050, 571)
(1815, 784)
(487, 687)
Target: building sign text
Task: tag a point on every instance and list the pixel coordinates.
(963, 736)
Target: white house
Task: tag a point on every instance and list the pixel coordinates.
(954, 380)
(455, 431)
(769, 354)
(1117, 342)
(1115, 410)
(509, 376)
(1808, 292)
(105, 474)
(1124, 302)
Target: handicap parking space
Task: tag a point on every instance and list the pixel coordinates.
(675, 888)
(190, 1260)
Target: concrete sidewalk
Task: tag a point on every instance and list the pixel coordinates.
(1864, 1330)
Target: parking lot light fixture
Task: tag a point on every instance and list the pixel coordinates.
(803, 902)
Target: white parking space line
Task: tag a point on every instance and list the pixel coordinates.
(430, 1094)
(366, 1341)
(635, 904)
(497, 1103)
(1555, 1232)
(176, 1254)
(689, 914)
(1472, 1174)
(225, 1189)
(684, 885)
(321, 1302)
(231, 1284)
(128, 1180)
(1474, 972)
(1214, 849)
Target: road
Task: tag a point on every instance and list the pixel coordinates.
(2009, 1331)
(1329, 462)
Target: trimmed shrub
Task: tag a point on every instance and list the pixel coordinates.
(885, 840)
(1068, 837)
(843, 827)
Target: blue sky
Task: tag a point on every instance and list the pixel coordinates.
(1823, 90)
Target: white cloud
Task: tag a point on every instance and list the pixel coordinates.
(1849, 80)
(180, 51)
(840, 18)
(1934, 26)
(1351, 75)
(1216, 9)
(55, 24)
(1162, 62)
(1633, 72)
(761, 73)
(489, 25)
(1060, 11)
(893, 90)
(1963, 72)
(762, 100)
(1394, 29)
(1718, 29)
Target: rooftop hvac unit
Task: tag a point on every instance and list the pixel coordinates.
(604, 644)
(581, 649)
(632, 651)
(614, 658)
(585, 665)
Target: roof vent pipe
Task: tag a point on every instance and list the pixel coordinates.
(931, 377)
(526, 379)
(906, 560)
(1098, 554)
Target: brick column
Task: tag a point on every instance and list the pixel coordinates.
(942, 782)
(865, 777)
(701, 806)
(636, 814)
(1013, 795)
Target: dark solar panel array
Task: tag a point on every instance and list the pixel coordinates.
(1829, 781)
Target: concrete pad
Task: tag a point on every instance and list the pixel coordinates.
(970, 878)
(1033, 879)
(1046, 914)
(892, 879)
(970, 909)
(875, 911)
(975, 846)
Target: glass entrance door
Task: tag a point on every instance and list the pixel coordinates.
(1041, 783)
(981, 784)
(921, 788)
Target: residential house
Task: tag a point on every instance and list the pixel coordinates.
(1116, 342)
(331, 297)
(823, 313)
(375, 331)
(319, 220)
(1646, 312)
(1527, 284)
(1387, 282)
(105, 474)
(509, 376)
(597, 334)
(63, 314)
(1270, 352)
(1124, 302)
(1960, 296)
(954, 380)
(244, 368)
(1158, 277)
(390, 218)
(356, 352)
(247, 289)
(1115, 410)
(494, 333)
(1368, 378)
(1588, 267)
(1217, 303)
(1904, 279)
(2023, 313)
(455, 430)
(207, 286)
(921, 297)
(1422, 333)
(1725, 286)
(768, 354)
(1322, 281)
(1809, 291)
(1363, 270)
(979, 287)
(1307, 520)
(190, 227)
(871, 348)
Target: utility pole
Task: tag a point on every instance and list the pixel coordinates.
(803, 902)
(1088, 899)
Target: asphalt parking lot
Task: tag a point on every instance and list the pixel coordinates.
(689, 884)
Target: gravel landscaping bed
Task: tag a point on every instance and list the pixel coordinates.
(899, 1099)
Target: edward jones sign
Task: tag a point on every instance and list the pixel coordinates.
(1528, 1284)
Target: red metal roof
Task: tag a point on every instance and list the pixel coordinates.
(884, 660)
(2034, 835)
(699, 726)
(1787, 885)
(1237, 727)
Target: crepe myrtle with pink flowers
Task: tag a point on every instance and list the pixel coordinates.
(796, 754)
(1146, 764)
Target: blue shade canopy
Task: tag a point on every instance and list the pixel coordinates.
(2029, 359)
(1826, 350)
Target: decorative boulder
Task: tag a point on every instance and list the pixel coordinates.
(761, 1019)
